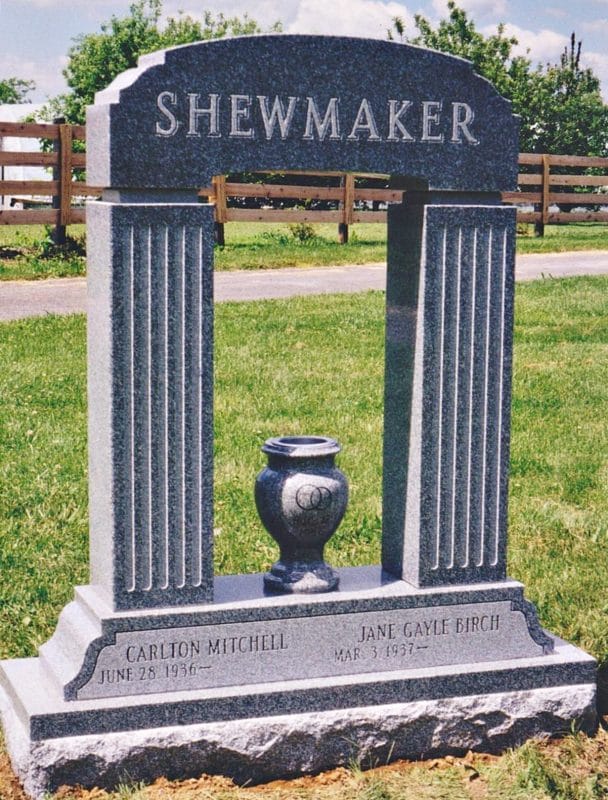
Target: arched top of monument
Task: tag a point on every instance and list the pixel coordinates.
(301, 102)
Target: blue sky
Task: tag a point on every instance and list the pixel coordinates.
(35, 34)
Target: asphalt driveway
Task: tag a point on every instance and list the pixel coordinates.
(19, 299)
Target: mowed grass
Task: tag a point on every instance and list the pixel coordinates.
(563, 238)
(315, 365)
(28, 253)
(271, 246)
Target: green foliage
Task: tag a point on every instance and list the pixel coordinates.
(72, 246)
(302, 231)
(398, 29)
(491, 55)
(96, 59)
(15, 90)
(567, 115)
(560, 104)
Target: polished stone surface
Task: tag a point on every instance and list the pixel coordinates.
(447, 391)
(46, 714)
(301, 497)
(375, 624)
(150, 343)
(301, 102)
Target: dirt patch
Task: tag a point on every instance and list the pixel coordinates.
(10, 788)
(215, 787)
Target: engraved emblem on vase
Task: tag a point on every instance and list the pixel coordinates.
(301, 497)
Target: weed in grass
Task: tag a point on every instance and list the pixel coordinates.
(302, 231)
(130, 791)
(373, 788)
(537, 773)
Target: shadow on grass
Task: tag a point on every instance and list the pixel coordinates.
(602, 693)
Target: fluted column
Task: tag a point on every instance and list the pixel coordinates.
(150, 402)
(447, 393)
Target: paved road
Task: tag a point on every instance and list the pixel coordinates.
(20, 299)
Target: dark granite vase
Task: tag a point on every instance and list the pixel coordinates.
(301, 497)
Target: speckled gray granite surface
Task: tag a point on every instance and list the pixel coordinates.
(291, 745)
(301, 102)
(157, 667)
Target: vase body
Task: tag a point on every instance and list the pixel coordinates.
(301, 497)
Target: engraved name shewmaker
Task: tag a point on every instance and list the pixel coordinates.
(245, 116)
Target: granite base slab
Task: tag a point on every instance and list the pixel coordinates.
(263, 749)
(250, 663)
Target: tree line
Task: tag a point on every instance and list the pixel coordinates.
(560, 104)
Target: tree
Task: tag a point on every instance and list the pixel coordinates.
(569, 116)
(96, 59)
(561, 106)
(15, 90)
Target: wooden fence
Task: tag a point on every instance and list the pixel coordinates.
(555, 184)
(546, 181)
(61, 188)
(345, 195)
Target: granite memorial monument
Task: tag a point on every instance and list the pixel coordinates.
(158, 667)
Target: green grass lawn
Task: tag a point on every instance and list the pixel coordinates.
(315, 365)
(24, 251)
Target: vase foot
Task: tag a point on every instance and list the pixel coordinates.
(301, 577)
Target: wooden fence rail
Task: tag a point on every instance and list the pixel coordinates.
(552, 189)
(61, 189)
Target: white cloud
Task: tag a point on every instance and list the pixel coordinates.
(265, 12)
(541, 46)
(369, 18)
(599, 26)
(478, 7)
(45, 73)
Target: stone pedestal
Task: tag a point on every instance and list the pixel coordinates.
(449, 327)
(236, 687)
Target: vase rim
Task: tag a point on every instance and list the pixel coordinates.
(301, 446)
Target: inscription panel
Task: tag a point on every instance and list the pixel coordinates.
(241, 104)
(208, 656)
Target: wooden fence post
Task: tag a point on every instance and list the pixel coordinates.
(65, 149)
(1, 173)
(219, 186)
(347, 207)
(539, 227)
(58, 233)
